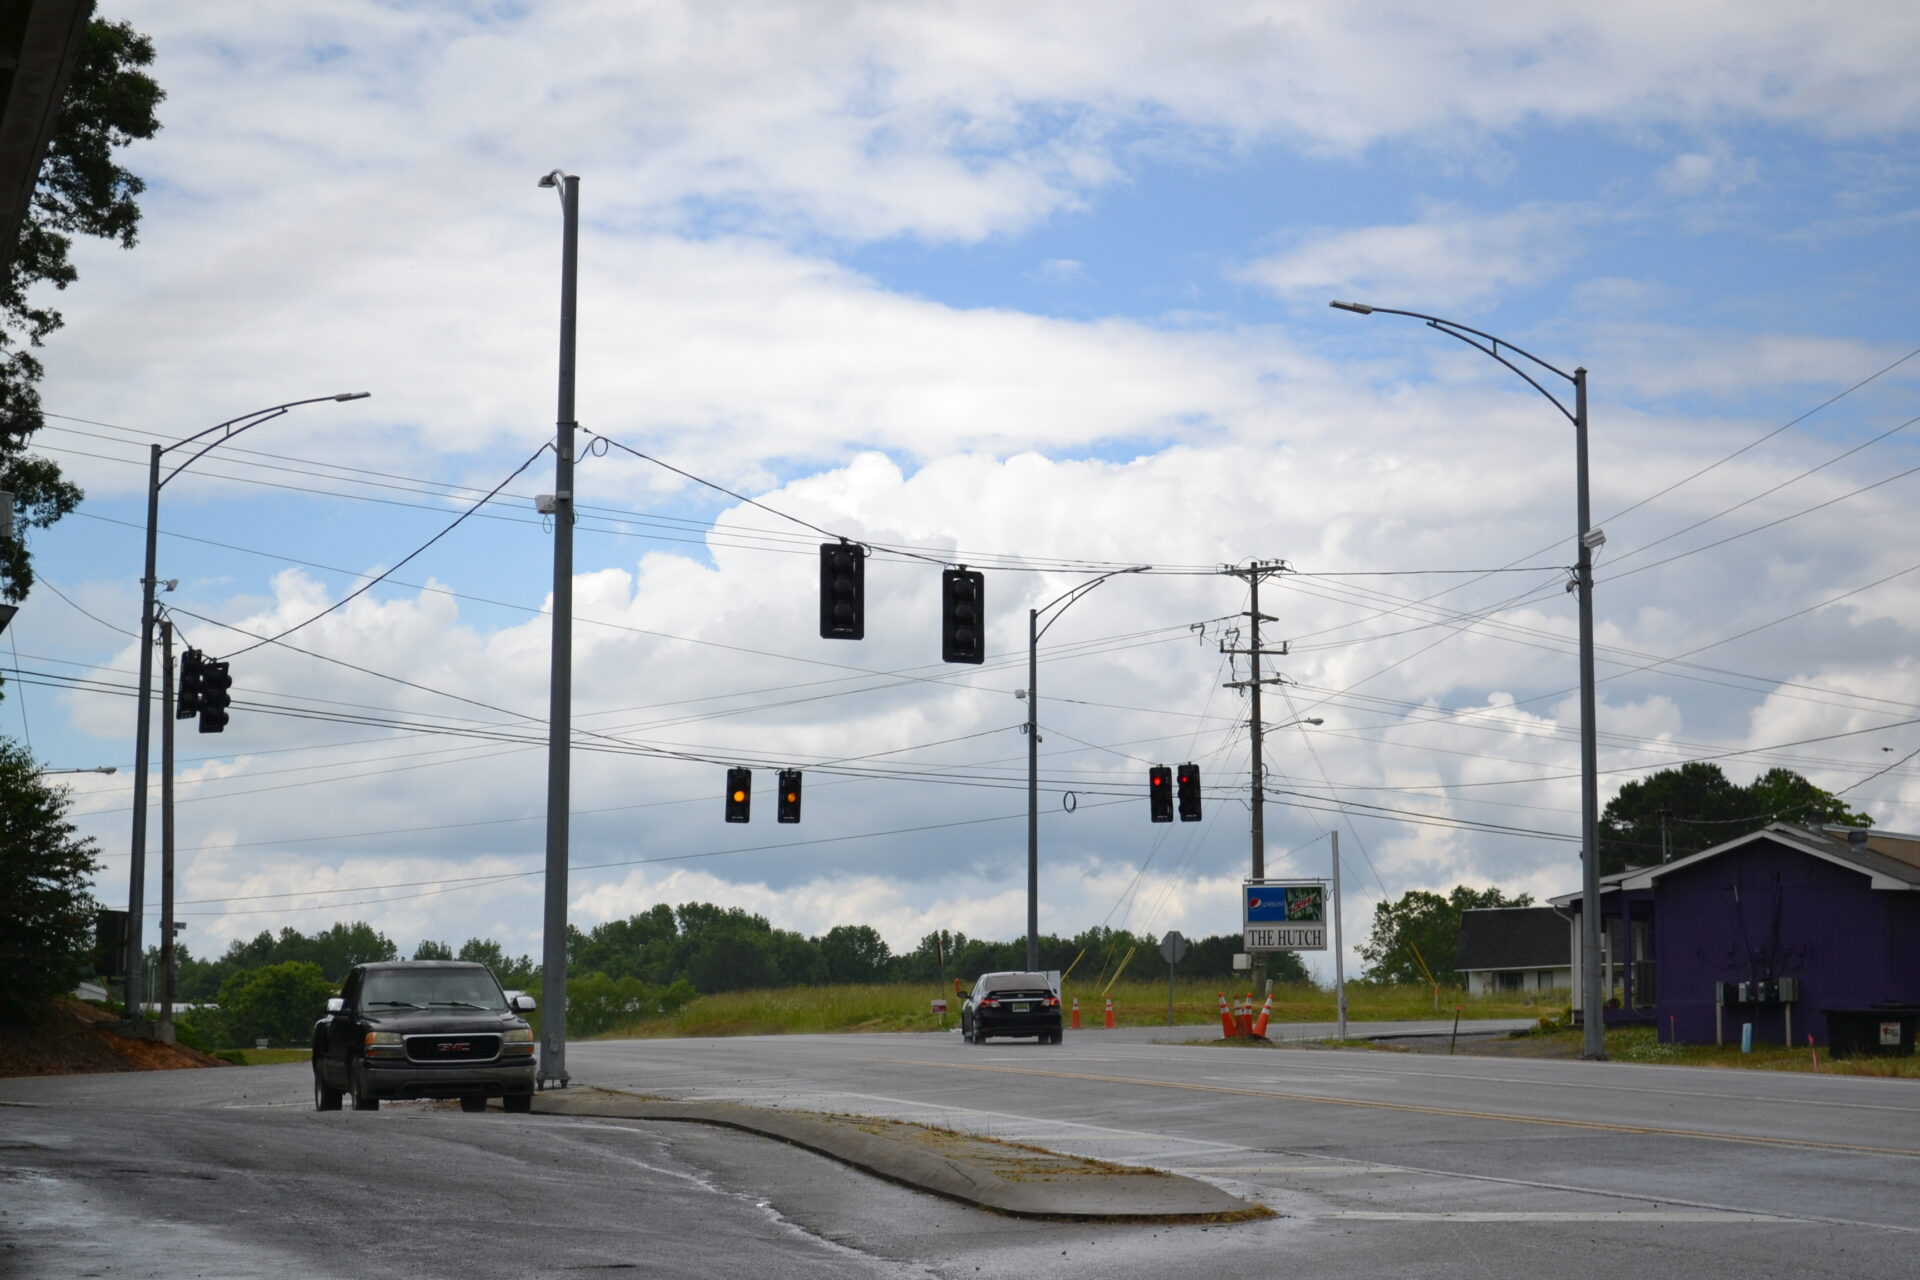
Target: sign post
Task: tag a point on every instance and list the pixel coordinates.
(1173, 947)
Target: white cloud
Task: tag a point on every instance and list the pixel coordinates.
(1450, 258)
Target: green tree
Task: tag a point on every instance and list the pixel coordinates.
(1419, 934)
(110, 103)
(279, 1003)
(517, 974)
(48, 935)
(431, 950)
(1696, 806)
(854, 953)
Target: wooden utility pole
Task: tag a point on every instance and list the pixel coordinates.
(1254, 573)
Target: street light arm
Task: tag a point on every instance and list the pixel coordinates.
(1071, 596)
(246, 422)
(1491, 346)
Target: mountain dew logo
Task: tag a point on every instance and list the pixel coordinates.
(1306, 903)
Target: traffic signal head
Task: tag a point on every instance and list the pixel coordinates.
(214, 683)
(843, 591)
(963, 620)
(787, 809)
(739, 794)
(1160, 793)
(1189, 793)
(189, 698)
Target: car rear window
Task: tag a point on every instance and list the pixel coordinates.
(1017, 982)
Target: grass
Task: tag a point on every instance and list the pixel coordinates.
(263, 1057)
(1642, 1044)
(906, 1007)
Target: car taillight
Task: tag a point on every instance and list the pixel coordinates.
(1053, 1002)
(989, 1003)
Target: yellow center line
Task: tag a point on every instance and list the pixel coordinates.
(1377, 1105)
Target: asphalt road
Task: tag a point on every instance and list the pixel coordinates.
(1379, 1164)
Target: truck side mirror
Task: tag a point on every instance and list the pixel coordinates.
(335, 1004)
(524, 1004)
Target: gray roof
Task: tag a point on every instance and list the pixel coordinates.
(1514, 938)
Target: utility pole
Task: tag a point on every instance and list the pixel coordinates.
(553, 951)
(166, 831)
(1254, 573)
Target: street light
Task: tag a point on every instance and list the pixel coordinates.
(1595, 1046)
(1034, 632)
(99, 768)
(138, 870)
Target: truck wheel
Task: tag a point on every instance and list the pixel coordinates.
(324, 1098)
(518, 1103)
(363, 1099)
(473, 1104)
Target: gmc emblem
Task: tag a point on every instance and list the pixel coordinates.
(453, 1046)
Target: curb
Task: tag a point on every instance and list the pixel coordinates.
(1019, 1181)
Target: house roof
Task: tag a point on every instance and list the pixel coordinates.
(1514, 938)
(1889, 859)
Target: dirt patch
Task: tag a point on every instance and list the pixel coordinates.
(71, 1039)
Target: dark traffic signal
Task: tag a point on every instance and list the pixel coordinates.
(1160, 793)
(963, 616)
(190, 697)
(739, 794)
(843, 591)
(1189, 793)
(214, 698)
(787, 807)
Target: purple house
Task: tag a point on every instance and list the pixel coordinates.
(1771, 928)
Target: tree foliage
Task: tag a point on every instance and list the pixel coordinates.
(48, 912)
(110, 103)
(279, 1003)
(1418, 935)
(1699, 807)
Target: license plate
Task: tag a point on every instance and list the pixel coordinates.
(1021, 1008)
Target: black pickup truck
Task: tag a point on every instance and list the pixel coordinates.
(423, 1029)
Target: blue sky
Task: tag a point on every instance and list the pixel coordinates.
(1045, 292)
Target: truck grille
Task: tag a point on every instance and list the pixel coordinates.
(453, 1048)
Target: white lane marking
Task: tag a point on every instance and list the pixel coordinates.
(1690, 1215)
(1466, 1077)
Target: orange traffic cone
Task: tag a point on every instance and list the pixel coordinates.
(1109, 1012)
(1227, 1030)
(1260, 1026)
(1243, 1016)
(1076, 1013)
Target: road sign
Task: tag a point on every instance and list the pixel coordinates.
(1284, 915)
(1173, 947)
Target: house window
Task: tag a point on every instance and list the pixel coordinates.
(1643, 991)
(1510, 980)
(1543, 980)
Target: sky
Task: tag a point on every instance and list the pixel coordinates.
(1040, 290)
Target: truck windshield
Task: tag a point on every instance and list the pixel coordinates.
(398, 989)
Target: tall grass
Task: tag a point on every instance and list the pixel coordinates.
(906, 1007)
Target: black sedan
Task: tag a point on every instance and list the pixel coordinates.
(1011, 1004)
(423, 1029)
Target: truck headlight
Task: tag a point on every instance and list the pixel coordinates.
(517, 1041)
(385, 1044)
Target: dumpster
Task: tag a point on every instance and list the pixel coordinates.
(1880, 1030)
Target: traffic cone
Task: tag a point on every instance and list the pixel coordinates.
(1227, 1029)
(1260, 1026)
(1109, 1012)
(1243, 1016)
(1076, 1013)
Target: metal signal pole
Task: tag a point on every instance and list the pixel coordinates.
(553, 951)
